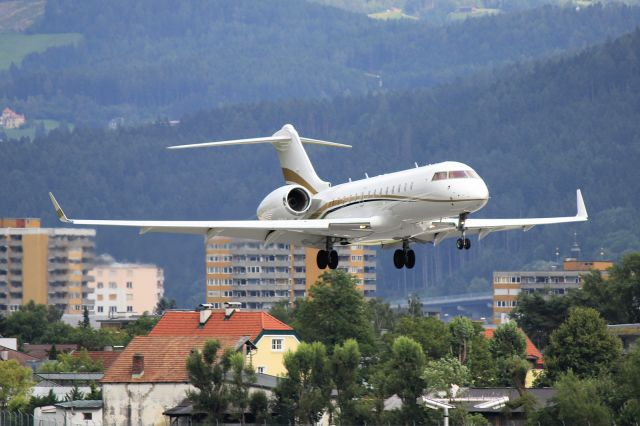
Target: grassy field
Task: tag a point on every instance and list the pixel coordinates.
(29, 129)
(14, 47)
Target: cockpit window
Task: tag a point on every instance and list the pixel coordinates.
(439, 176)
(455, 174)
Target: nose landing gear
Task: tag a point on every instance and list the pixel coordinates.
(328, 257)
(464, 242)
(404, 257)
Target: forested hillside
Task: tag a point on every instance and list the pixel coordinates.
(535, 132)
(149, 58)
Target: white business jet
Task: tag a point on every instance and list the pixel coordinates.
(420, 205)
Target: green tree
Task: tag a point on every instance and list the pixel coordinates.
(508, 341)
(207, 375)
(53, 353)
(442, 373)
(383, 317)
(95, 393)
(539, 316)
(15, 382)
(242, 377)
(31, 322)
(41, 401)
(334, 312)
(75, 394)
(283, 311)
(414, 306)
(86, 323)
(163, 304)
(432, 334)
(462, 332)
(576, 403)
(345, 362)
(259, 406)
(142, 326)
(405, 374)
(303, 393)
(482, 365)
(72, 363)
(583, 345)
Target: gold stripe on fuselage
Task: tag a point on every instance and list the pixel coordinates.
(343, 202)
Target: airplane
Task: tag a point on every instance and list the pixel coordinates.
(420, 205)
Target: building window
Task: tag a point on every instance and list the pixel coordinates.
(277, 344)
(113, 309)
(100, 297)
(113, 285)
(100, 309)
(113, 297)
(87, 416)
(129, 284)
(129, 296)
(262, 370)
(129, 308)
(100, 285)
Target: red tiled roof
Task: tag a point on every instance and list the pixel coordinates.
(164, 358)
(41, 351)
(107, 357)
(187, 323)
(532, 351)
(20, 357)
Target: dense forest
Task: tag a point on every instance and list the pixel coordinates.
(535, 132)
(149, 58)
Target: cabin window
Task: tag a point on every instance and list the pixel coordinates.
(387, 191)
(411, 187)
(405, 187)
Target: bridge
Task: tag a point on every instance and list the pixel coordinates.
(477, 306)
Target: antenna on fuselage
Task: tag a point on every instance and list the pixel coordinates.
(366, 175)
(416, 163)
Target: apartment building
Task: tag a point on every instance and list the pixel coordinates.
(45, 265)
(125, 288)
(259, 275)
(507, 285)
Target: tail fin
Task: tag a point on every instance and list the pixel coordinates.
(295, 163)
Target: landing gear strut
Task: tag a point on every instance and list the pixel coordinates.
(328, 257)
(404, 257)
(464, 242)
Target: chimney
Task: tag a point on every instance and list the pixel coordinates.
(137, 368)
(230, 308)
(205, 312)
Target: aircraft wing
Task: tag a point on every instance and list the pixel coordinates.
(251, 229)
(449, 227)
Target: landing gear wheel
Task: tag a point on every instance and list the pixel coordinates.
(333, 259)
(467, 244)
(398, 258)
(322, 259)
(409, 259)
(460, 243)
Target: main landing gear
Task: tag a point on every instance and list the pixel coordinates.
(404, 257)
(328, 257)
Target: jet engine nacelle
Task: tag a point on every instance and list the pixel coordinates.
(286, 202)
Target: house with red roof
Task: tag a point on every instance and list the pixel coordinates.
(150, 375)
(271, 337)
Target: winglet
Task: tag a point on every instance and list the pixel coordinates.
(582, 209)
(59, 212)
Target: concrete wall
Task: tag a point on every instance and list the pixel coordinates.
(140, 403)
